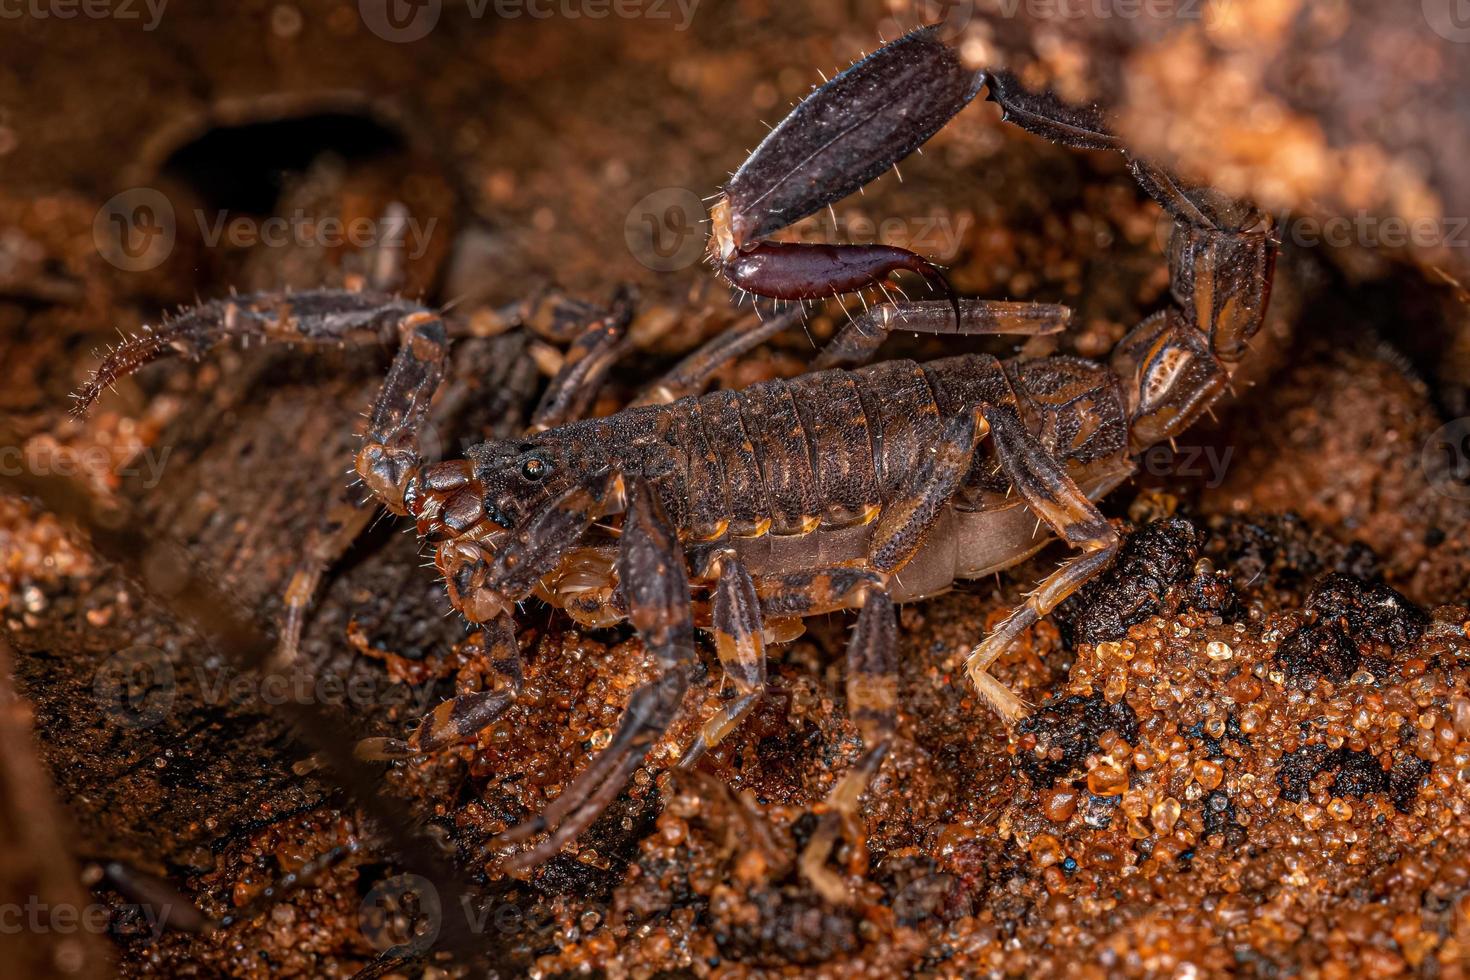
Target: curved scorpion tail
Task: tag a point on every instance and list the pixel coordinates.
(1222, 259)
(321, 316)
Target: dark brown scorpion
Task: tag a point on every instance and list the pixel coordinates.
(740, 512)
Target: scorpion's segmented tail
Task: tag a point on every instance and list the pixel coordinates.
(320, 316)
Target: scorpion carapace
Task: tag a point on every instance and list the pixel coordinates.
(740, 512)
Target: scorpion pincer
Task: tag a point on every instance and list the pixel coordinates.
(739, 512)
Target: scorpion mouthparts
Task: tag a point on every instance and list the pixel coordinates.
(448, 502)
(466, 571)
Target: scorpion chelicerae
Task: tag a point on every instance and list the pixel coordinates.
(740, 512)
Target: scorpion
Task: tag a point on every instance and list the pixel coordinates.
(741, 512)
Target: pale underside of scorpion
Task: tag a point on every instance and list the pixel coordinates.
(741, 512)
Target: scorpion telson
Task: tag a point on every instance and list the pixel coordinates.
(739, 513)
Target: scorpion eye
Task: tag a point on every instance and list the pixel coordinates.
(534, 468)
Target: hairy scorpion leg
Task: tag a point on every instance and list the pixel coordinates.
(655, 582)
(741, 648)
(1056, 500)
(1221, 258)
(872, 703)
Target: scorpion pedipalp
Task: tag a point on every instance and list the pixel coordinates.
(841, 137)
(847, 133)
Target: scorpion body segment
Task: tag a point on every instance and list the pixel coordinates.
(793, 474)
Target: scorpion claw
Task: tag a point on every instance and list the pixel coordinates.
(841, 137)
(383, 750)
(849, 132)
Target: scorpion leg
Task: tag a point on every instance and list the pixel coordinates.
(389, 455)
(872, 684)
(461, 718)
(872, 703)
(388, 459)
(592, 354)
(655, 584)
(814, 591)
(328, 316)
(925, 492)
(326, 543)
(1056, 499)
(736, 624)
(860, 339)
